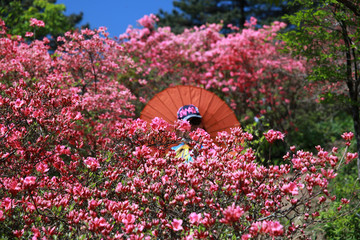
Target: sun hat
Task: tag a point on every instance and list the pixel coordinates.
(188, 111)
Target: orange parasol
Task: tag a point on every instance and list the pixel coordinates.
(216, 114)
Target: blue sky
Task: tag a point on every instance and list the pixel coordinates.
(116, 15)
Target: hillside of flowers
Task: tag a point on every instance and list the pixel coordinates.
(77, 163)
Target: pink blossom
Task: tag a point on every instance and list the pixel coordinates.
(142, 81)
(176, 225)
(30, 181)
(2, 216)
(276, 228)
(93, 204)
(42, 167)
(148, 21)
(273, 228)
(315, 214)
(159, 124)
(246, 237)
(345, 201)
(19, 103)
(232, 214)
(328, 173)
(189, 237)
(290, 188)
(78, 116)
(321, 199)
(183, 125)
(252, 22)
(29, 34)
(350, 156)
(13, 185)
(129, 219)
(195, 218)
(141, 99)
(8, 203)
(348, 136)
(18, 233)
(272, 135)
(225, 89)
(92, 163)
(35, 22)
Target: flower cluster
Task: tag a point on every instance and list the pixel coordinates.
(76, 165)
(272, 135)
(35, 22)
(245, 67)
(348, 136)
(148, 21)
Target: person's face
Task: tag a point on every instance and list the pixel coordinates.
(195, 123)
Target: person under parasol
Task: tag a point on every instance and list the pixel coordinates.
(191, 114)
(173, 103)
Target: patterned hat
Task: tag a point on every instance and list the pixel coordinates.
(188, 111)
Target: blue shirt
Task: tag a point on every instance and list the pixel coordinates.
(183, 151)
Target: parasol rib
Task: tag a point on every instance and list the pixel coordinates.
(151, 117)
(211, 100)
(182, 100)
(229, 113)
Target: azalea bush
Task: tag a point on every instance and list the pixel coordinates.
(75, 164)
(139, 190)
(246, 68)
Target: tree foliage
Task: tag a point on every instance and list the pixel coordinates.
(327, 35)
(17, 14)
(190, 13)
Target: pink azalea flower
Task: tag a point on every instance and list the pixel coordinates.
(148, 21)
(19, 103)
(92, 163)
(158, 124)
(345, 201)
(350, 156)
(183, 125)
(29, 34)
(272, 135)
(245, 236)
(30, 181)
(291, 188)
(232, 214)
(35, 22)
(195, 218)
(190, 237)
(275, 228)
(42, 167)
(176, 225)
(348, 136)
(2, 217)
(130, 219)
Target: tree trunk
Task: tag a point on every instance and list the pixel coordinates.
(356, 120)
(242, 19)
(353, 86)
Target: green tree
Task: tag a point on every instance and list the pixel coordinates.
(17, 14)
(328, 35)
(190, 13)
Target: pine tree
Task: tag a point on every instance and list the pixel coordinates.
(189, 13)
